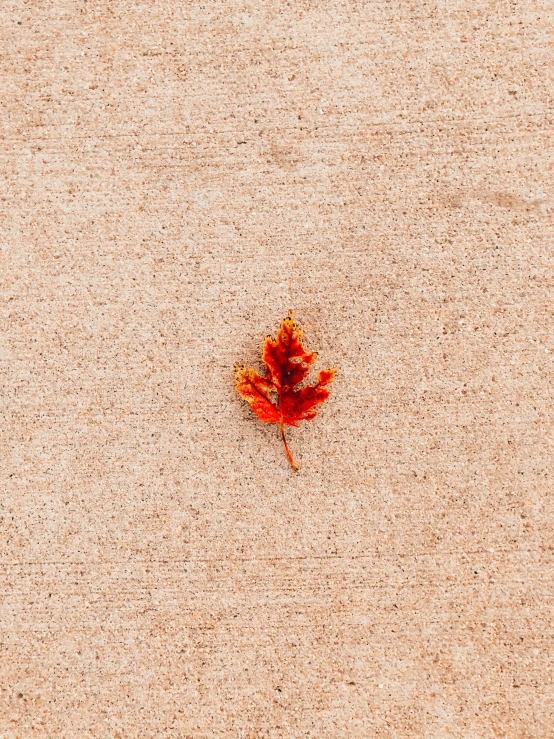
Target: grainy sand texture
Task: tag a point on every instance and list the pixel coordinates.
(175, 176)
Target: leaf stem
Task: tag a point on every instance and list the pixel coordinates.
(289, 455)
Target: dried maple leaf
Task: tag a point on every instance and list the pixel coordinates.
(287, 365)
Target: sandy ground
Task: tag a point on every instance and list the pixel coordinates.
(174, 178)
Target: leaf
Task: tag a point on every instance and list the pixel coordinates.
(275, 397)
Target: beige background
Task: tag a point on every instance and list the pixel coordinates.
(175, 177)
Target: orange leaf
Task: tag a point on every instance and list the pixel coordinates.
(255, 389)
(287, 365)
